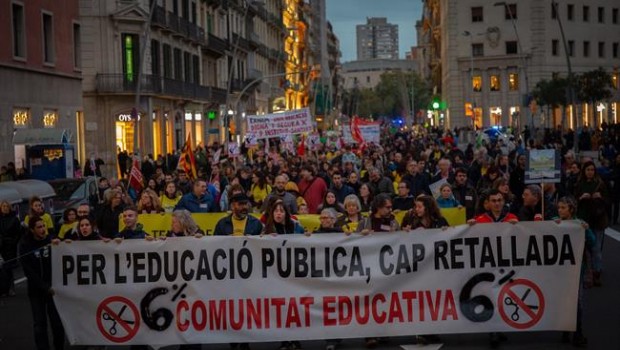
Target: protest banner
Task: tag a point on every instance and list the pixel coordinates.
(495, 277)
(371, 133)
(280, 124)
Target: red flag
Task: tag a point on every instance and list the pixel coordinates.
(301, 147)
(187, 162)
(356, 134)
(136, 181)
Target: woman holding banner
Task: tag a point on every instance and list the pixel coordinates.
(349, 221)
(183, 225)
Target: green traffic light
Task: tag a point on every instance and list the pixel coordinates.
(435, 105)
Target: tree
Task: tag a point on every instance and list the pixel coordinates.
(552, 94)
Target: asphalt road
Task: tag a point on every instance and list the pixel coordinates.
(601, 321)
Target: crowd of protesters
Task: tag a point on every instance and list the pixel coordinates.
(352, 190)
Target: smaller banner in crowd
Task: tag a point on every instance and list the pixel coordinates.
(370, 133)
(468, 279)
(156, 225)
(280, 124)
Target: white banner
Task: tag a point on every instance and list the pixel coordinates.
(280, 124)
(370, 132)
(485, 278)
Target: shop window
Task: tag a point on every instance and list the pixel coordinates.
(21, 117)
(495, 83)
(513, 81)
(476, 83)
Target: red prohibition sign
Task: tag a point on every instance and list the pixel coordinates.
(117, 321)
(523, 309)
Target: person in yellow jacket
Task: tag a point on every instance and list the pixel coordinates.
(69, 222)
(259, 190)
(38, 209)
(170, 197)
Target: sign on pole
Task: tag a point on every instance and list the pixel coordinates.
(542, 165)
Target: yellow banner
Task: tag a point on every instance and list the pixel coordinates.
(157, 225)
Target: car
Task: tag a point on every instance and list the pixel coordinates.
(70, 193)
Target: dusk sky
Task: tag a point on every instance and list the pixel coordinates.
(346, 14)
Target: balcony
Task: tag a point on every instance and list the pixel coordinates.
(241, 42)
(215, 47)
(159, 17)
(236, 85)
(113, 84)
(263, 50)
(254, 41)
(184, 27)
(173, 22)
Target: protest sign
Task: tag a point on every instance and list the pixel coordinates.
(542, 165)
(280, 124)
(468, 279)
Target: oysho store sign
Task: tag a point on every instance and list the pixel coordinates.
(126, 117)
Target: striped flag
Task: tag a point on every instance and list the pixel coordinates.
(187, 162)
(136, 180)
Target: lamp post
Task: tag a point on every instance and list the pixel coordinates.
(526, 101)
(233, 61)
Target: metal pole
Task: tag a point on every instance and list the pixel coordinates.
(146, 35)
(571, 91)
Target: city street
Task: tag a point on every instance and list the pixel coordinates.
(601, 323)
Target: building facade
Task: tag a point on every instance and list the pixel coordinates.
(486, 58)
(377, 39)
(40, 69)
(367, 74)
(201, 60)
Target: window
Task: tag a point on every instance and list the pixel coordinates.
(50, 118)
(185, 9)
(187, 64)
(48, 38)
(155, 60)
(571, 48)
(586, 13)
(586, 49)
(167, 53)
(601, 49)
(178, 64)
(614, 16)
(477, 14)
(368, 78)
(554, 11)
(614, 50)
(131, 56)
(77, 46)
(510, 11)
(495, 83)
(513, 81)
(476, 83)
(570, 12)
(19, 35)
(195, 69)
(511, 47)
(477, 50)
(555, 44)
(21, 117)
(601, 15)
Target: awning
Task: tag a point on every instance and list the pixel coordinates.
(10, 195)
(41, 136)
(30, 188)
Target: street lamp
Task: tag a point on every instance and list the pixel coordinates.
(526, 101)
(234, 58)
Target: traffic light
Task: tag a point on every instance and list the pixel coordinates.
(211, 115)
(437, 104)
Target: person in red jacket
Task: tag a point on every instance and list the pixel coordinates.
(497, 213)
(312, 188)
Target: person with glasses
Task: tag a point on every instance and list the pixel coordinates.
(404, 199)
(496, 212)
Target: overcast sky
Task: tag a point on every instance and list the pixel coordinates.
(346, 14)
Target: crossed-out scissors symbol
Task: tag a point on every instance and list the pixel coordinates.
(510, 302)
(107, 317)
